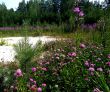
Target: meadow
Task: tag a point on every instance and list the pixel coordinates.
(77, 61)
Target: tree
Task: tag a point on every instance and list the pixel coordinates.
(22, 11)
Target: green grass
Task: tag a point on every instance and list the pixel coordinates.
(91, 36)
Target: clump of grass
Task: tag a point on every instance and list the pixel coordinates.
(2, 42)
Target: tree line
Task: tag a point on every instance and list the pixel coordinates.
(48, 11)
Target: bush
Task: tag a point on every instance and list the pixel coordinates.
(25, 53)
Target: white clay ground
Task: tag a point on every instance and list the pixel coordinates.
(7, 53)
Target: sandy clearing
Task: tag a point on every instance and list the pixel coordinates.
(7, 53)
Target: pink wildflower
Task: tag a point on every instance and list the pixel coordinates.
(108, 63)
(76, 10)
(82, 46)
(34, 82)
(99, 69)
(34, 69)
(109, 56)
(18, 73)
(44, 84)
(39, 89)
(81, 14)
(86, 63)
(31, 79)
(73, 54)
(91, 69)
(44, 69)
(92, 65)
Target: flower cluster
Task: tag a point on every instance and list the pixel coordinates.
(88, 59)
(89, 26)
(78, 11)
(35, 82)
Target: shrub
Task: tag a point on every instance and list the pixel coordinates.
(25, 52)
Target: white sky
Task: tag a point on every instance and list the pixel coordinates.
(14, 3)
(97, 0)
(11, 3)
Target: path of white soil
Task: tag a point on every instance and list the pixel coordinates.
(7, 53)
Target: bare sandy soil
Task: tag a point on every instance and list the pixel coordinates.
(7, 53)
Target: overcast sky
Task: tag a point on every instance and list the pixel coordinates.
(14, 3)
(11, 3)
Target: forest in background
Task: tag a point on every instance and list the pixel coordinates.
(50, 12)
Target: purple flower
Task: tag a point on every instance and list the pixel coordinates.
(81, 14)
(72, 54)
(34, 82)
(44, 69)
(86, 63)
(76, 10)
(34, 69)
(44, 84)
(109, 56)
(91, 69)
(31, 79)
(92, 65)
(99, 69)
(39, 89)
(18, 73)
(82, 46)
(108, 63)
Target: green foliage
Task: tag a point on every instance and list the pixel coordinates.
(2, 42)
(65, 67)
(25, 52)
(101, 79)
(72, 73)
(6, 75)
